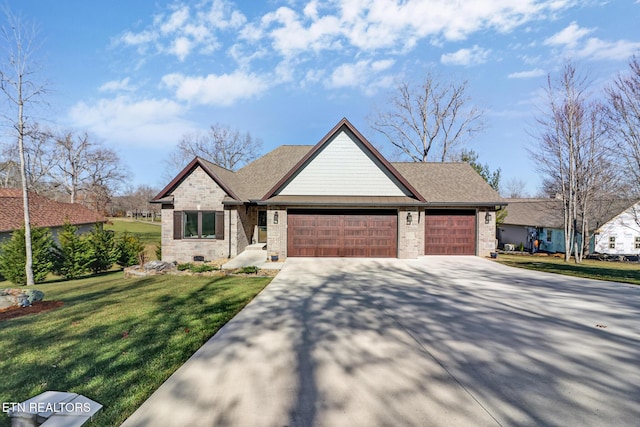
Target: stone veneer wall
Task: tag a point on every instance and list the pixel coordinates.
(410, 237)
(277, 233)
(196, 192)
(486, 232)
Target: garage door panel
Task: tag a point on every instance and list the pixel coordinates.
(342, 234)
(450, 233)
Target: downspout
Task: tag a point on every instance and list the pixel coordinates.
(229, 234)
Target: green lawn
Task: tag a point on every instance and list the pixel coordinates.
(147, 232)
(115, 340)
(626, 272)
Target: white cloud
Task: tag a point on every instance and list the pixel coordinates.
(569, 36)
(466, 57)
(364, 74)
(186, 28)
(537, 72)
(223, 90)
(117, 86)
(574, 45)
(129, 122)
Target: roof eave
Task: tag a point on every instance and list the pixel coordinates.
(185, 172)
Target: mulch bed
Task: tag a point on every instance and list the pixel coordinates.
(37, 307)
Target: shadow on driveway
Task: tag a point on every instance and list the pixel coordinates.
(433, 341)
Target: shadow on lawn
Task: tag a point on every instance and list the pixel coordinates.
(570, 268)
(384, 343)
(85, 349)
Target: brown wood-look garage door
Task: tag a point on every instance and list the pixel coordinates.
(342, 234)
(450, 232)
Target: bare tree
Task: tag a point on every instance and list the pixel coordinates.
(220, 144)
(515, 188)
(623, 97)
(86, 168)
(17, 82)
(572, 153)
(430, 120)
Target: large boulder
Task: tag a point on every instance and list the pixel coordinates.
(152, 268)
(19, 297)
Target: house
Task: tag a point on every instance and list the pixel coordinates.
(618, 233)
(531, 219)
(43, 212)
(613, 226)
(340, 197)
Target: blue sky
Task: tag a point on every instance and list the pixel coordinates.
(140, 74)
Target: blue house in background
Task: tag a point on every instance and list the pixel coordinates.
(529, 220)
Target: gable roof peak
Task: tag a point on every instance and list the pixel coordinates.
(343, 123)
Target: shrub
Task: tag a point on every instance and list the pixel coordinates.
(101, 247)
(159, 251)
(13, 256)
(128, 250)
(184, 267)
(251, 269)
(71, 257)
(521, 247)
(202, 268)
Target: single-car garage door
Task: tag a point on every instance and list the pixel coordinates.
(343, 233)
(450, 232)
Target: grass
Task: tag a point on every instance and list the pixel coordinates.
(115, 340)
(592, 269)
(147, 232)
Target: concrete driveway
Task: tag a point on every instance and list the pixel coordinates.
(438, 341)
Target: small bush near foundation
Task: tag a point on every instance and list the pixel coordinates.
(185, 266)
(251, 269)
(202, 268)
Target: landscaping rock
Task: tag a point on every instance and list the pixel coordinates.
(152, 268)
(19, 297)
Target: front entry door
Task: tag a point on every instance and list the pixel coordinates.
(262, 226)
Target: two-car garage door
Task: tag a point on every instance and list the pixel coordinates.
(345, 233)
(368, 233)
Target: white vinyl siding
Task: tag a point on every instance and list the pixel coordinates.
(343, 168)
(619, 235)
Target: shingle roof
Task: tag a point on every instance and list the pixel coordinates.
(534, 213)
(43, 212)
(548, 212)
(443, 183)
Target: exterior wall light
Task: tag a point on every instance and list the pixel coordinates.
(487, 218)
(409, 219)
(275, 218)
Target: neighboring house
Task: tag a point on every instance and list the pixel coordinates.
(340, 197)
(531, 219)
(619, 234)
(43, 212)
(613, 227)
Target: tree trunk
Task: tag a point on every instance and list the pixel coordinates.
(28, 266)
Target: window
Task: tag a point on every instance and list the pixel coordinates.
(612, 242)
(637, 242)
(548, 235)
(198, 225)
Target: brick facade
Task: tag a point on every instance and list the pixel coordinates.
(198, 192)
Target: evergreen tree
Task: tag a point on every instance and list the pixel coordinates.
(13, 256)
(101, 247)
(71, 256)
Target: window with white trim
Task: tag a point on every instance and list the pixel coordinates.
(612, 242)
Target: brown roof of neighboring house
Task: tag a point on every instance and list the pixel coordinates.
(534, 213)
(43, 212)
(548, 212)
(449, 183)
